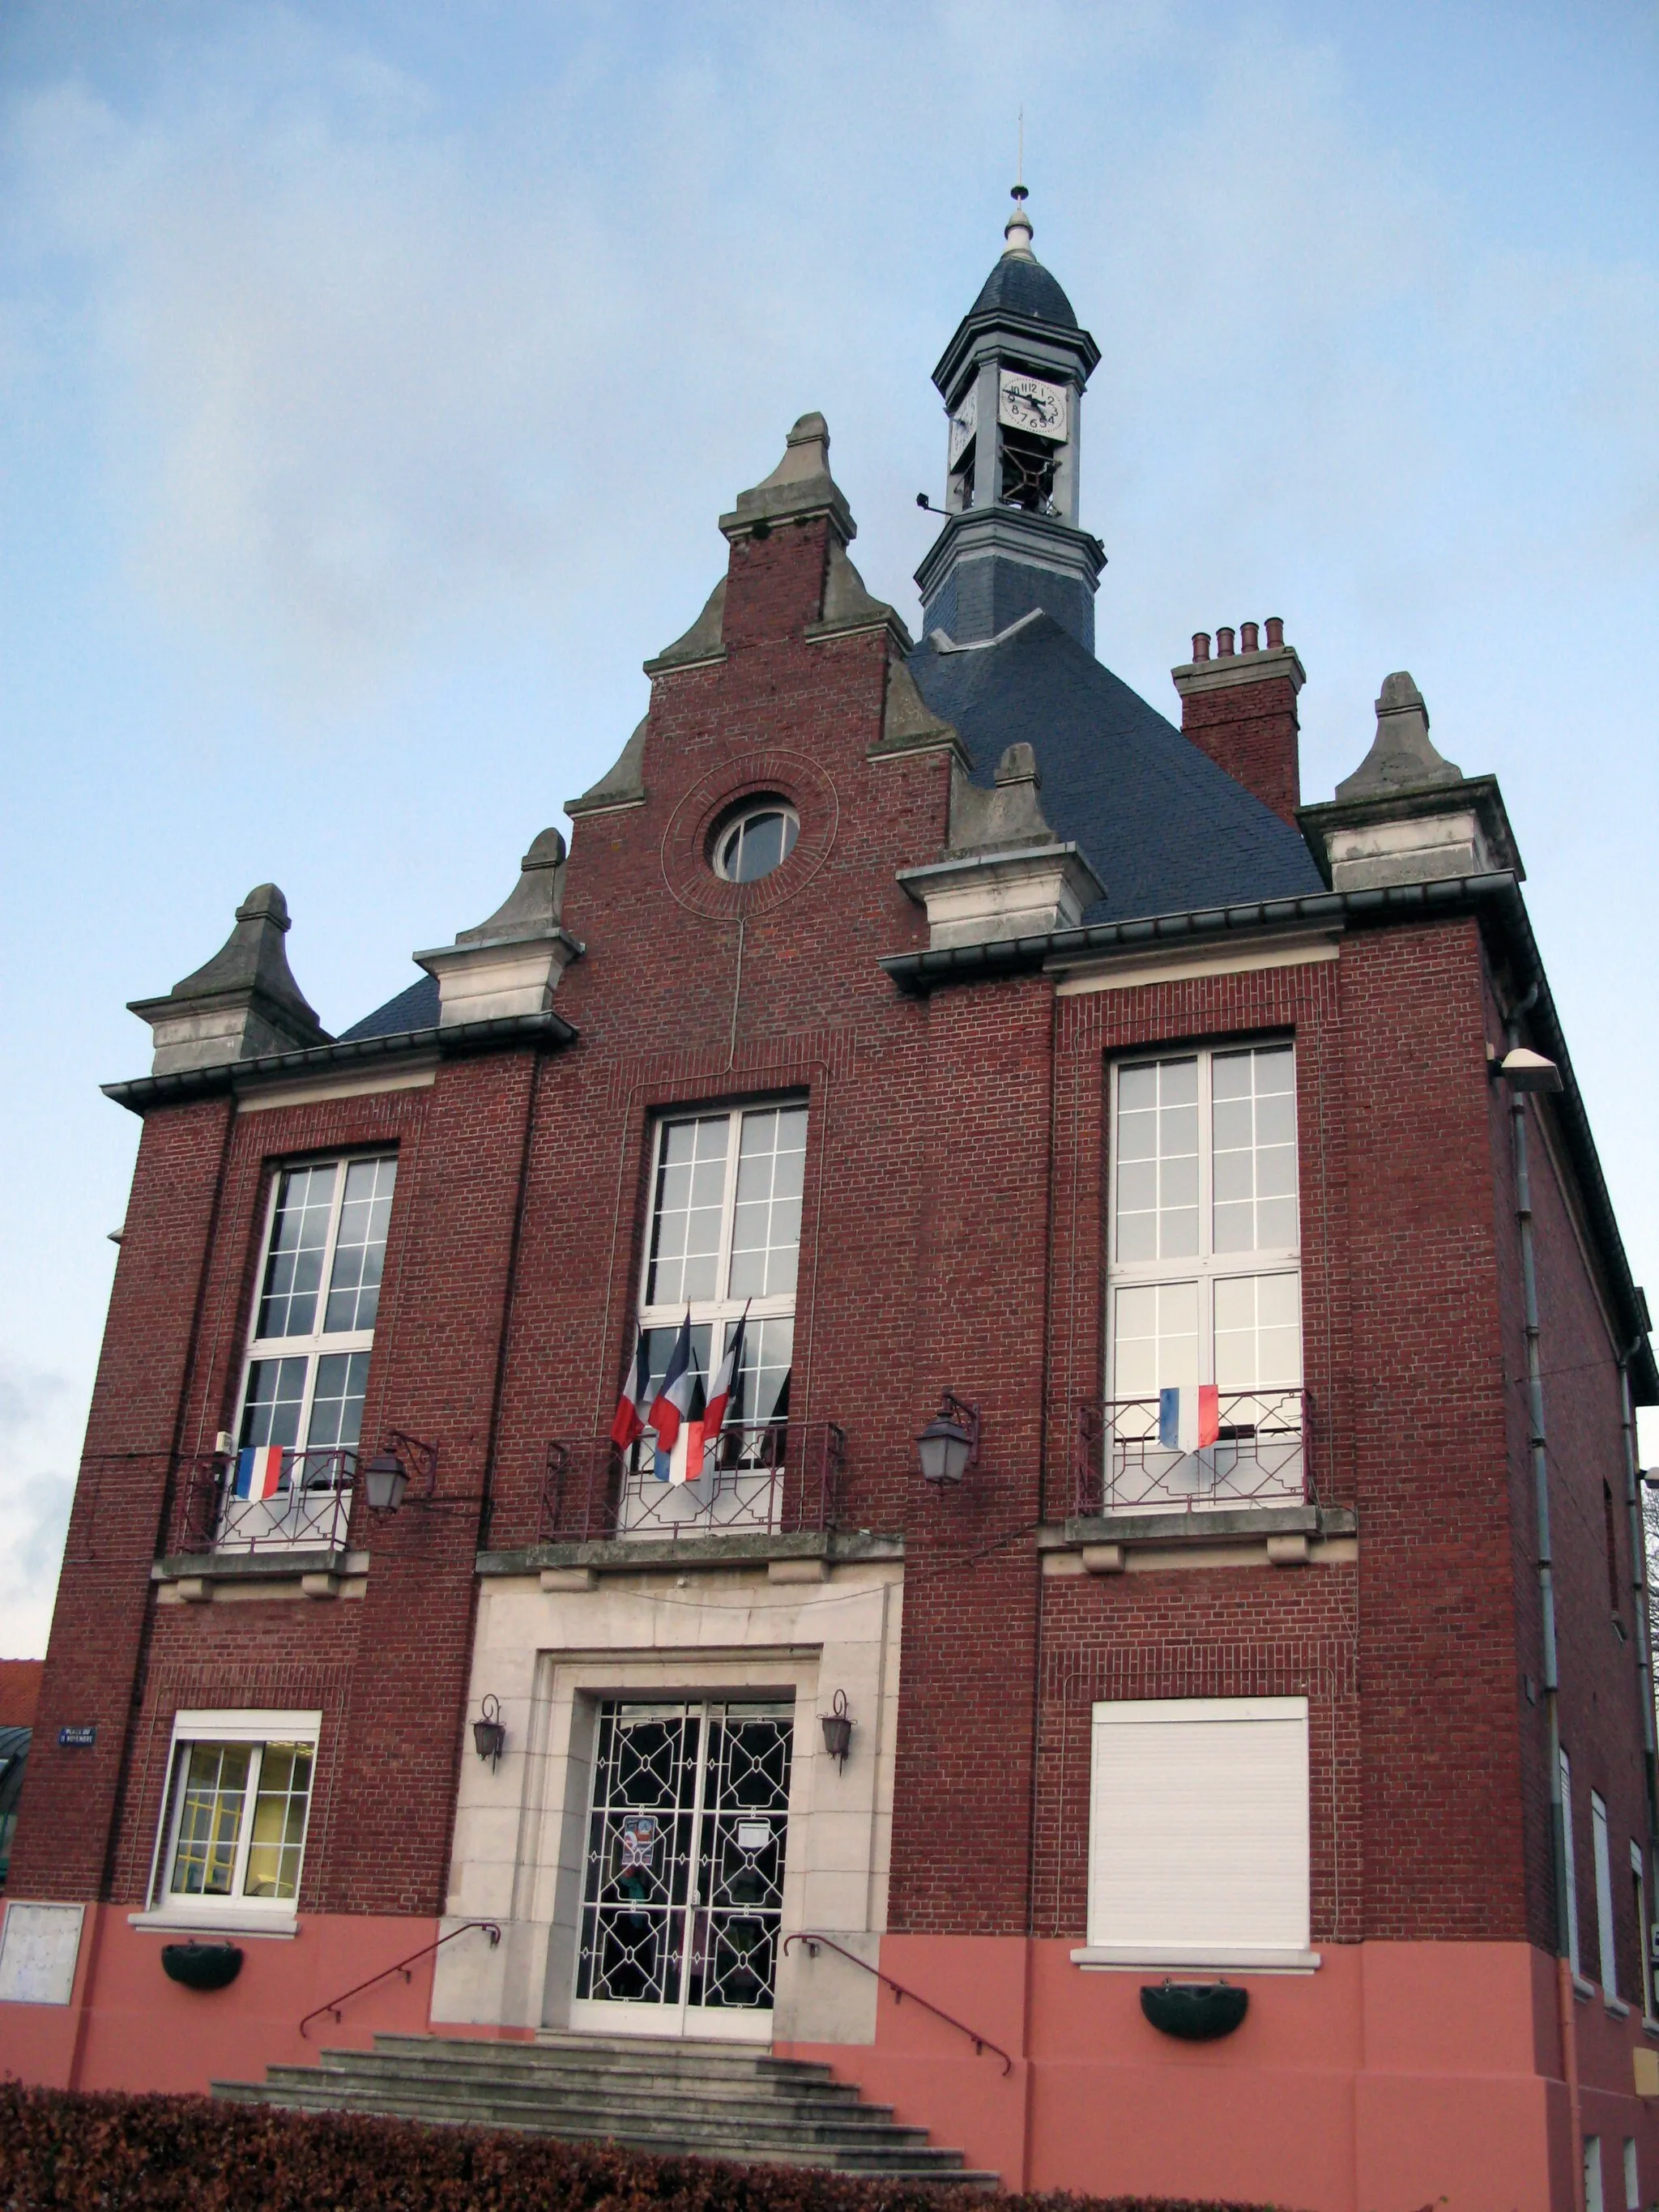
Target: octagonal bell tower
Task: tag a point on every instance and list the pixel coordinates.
(1012, 380)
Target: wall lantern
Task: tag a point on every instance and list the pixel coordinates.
(949, 1445)
(837, 1725)
(385, 1478)
(1526, 1071)
(489, 1736)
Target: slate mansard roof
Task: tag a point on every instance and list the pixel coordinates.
(1164, 829)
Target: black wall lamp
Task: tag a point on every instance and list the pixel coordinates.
(837, 1726)
(488, 1735)
(387, 1475)
(949, 1445)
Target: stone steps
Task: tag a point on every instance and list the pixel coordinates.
(716, 2100)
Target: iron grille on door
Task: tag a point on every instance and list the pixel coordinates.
(684, 1889)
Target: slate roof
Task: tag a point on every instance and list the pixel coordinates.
(1021, 286)
(1166, 830)
(417, 1008)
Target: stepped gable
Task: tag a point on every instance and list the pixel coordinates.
(1165, 830)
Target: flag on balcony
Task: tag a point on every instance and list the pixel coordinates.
(721, 1390)
(628, 1426)
(673, 1400)
(258, 1470)
(1188, 1418)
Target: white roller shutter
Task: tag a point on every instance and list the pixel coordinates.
(1198, 1841)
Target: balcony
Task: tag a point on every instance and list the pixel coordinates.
(1263, 1456)
(770, 1479)
(310, 1510)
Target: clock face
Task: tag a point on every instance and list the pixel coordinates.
(963, 424)
(1030, 403)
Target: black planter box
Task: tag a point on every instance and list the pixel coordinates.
(1197, 2012)
(201, 1965)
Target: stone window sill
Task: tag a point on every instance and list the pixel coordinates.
(1581, 1989)
(626, 1555)
(1616, 2006)
(1172, 1959)
(230, 1922)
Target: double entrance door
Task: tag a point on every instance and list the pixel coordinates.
(682, 1885)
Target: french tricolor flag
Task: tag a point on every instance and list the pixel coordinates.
(258, 1470)
(628, 1424)
(672, 1402)
(1188, 1418)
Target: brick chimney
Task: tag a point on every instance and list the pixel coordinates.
(1239, 706)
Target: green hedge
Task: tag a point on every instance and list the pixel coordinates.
(102, 2153)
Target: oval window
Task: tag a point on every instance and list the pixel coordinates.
(755, 842)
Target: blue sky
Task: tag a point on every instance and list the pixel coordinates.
(370, 377)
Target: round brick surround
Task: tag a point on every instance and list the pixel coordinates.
(685, 864)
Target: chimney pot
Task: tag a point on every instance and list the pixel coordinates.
(1200, 644)
(1275, 631)
(1223, 645)
(1249, 639)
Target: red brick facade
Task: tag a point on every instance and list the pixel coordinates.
(953, 1235)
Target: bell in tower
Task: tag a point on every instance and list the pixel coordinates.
(1012, 380)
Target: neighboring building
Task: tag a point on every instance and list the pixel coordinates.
(947, 1019)
(20, 1691)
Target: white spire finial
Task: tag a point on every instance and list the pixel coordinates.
(1018, 228)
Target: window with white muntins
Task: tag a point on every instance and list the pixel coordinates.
(1203, 1258)
(233, 1834)
(313, 1327)
(724, 1242)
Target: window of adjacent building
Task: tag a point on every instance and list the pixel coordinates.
(1639, 1882)
(1198, 1835)
(239, 1794)
(1605, 1934)
(1594, 2200)
(1568, 1863)
(724, 1238)
(314, 1312)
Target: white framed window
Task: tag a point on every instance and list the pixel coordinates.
(1632, 2182)
(1204, 1271)
(1606, 1932)
(313, 1325)
(725, 1239)
(1639, 1882)
(233, 1834)
(1198, 1833)
(1569, 1866)
(756, 841)
(1595, 2201)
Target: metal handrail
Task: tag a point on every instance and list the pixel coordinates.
(491, 1928)
(982, 2043)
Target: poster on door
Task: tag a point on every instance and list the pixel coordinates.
(639, 1842)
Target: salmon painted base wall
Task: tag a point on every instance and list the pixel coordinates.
(1396, 2075)
(127, 2027)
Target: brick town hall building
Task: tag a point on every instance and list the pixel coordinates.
(1191, 1182)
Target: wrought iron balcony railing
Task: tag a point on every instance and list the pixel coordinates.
(310, 1510)
(773, 1477)
(1263, 1455)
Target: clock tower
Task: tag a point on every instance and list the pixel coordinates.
(1012, 380)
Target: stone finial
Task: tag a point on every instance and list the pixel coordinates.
(510, 964)
(799, 486)
(1401, 757)
(242, 1005)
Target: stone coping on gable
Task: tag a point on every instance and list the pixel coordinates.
(141, 1092)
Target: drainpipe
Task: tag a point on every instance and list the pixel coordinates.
(1565, 2000)
(1639, 1605)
